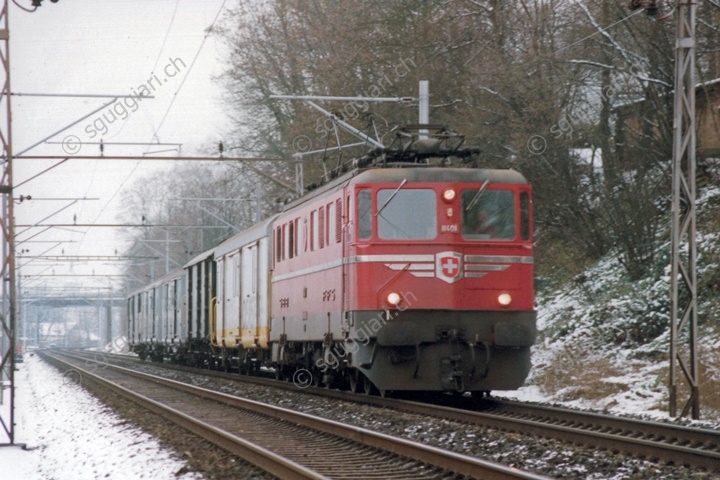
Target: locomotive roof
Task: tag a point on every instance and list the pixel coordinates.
(414, 174)
(254, 233)
(438, 174)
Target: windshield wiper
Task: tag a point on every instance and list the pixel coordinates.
(391, 197)
(477, 195)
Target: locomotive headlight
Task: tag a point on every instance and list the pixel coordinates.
(393, 299)
(504, 299)
(448, 194)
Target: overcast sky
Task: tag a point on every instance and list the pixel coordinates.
(121, 47)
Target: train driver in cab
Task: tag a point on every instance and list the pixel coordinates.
(479, 225)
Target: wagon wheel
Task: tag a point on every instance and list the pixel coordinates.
(317, 377)
(244, 368)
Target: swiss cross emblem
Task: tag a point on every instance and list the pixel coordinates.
(448, 266)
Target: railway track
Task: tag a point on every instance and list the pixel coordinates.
(653, 441)
(286, 443)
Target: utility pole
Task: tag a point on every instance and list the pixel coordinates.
(109, 318)
(683, 276)
(424, 106)
(8, 326)
(7, 267)
(683, 273)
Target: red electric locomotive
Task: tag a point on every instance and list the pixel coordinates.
(407, 279)
(397, 276)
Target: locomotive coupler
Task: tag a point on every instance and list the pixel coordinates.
(451, 373)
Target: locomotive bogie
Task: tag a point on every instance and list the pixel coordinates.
(448, 368)
(465, 347)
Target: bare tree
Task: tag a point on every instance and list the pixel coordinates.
(205, 205)
(537, 84)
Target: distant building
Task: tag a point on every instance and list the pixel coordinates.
(707, 104)
(633, 118)
(634, 130)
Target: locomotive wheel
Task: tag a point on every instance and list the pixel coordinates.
(368, 387)
(332, 379)
(354, 381)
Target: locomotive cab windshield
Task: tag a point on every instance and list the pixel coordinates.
(420, 213)
(489, 217)
(409, 215)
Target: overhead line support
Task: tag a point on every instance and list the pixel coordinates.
(683, 273)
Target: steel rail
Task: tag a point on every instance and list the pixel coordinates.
(655, 441)
(263, 458)
(437, 457)
(647, 428)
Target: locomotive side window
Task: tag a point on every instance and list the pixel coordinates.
(291, 239)
(305, 236)
(278, 245)
(284, 241)
(314, 239)
(489, 216)
(364, 205)
(329, 223)
(524, 216)
(296, 238)
(407, 214)
(321, 227)
(338, 220)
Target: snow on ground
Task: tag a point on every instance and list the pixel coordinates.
(70, 435)
(586, 356)
(603, 341)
